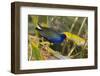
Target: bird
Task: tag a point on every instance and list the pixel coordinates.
(51, 35)
(56, 37)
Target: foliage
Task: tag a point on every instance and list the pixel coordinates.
(75, 46)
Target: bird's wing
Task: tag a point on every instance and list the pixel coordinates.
(50, 34)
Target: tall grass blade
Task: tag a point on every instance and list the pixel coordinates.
(73, 24)
(36, 52)
(83, 23)
(81, 26)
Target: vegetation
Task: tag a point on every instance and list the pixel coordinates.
(75, 46)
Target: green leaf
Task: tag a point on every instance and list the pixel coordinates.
(36, 52)
(35, 20)
(43, 20)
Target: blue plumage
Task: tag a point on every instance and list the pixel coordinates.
(51, 35)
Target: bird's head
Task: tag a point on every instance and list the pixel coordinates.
(67, 34)
(64, 36)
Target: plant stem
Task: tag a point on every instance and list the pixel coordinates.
(69, 54)
(71, 51)
(81, 26)
(30, 57)
(57, 54)
(64, 46)
(73, 24)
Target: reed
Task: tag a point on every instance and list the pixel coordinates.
(73, 48)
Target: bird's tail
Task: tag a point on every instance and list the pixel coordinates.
(38, 27)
